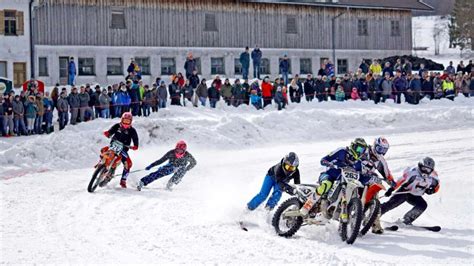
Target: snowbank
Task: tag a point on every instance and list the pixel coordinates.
(233, 128)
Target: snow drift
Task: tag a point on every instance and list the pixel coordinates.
(228, 127)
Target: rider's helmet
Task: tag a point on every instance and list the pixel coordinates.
(180, 149)
(126, 120)
(380, 146)
(358, 148)
(290, 162)
(426, 165)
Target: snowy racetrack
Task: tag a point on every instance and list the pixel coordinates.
(50, 218)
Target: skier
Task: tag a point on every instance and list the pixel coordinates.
(277, 178)
(179, 160)
(124, 133)
(376, 162)
(416, 181)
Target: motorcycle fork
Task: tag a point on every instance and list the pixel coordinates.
(344, 215)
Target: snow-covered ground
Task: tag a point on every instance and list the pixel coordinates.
(47, 216)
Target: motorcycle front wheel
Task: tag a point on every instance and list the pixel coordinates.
(97, 178)
(287, 226)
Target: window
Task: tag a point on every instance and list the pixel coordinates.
(168, 66)
(114, 66)
(237, 67)
(118, 20)
(291, 26)
(306, 66)
(87, 66)
(265, 66)
(43, 66)
(362, 27)
(395, 27)
(210, 22)
(144, 64)
(289, 65)
(10, 22)
(217, 65)
(3, 69)
(341, 66)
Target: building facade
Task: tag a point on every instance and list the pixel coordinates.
(14, 41)
(102, 35)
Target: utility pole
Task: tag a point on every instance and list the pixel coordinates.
(32, 45)
(334, 35)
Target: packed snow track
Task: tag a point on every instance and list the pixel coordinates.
(47, 216)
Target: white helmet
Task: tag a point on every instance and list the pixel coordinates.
(381, 146)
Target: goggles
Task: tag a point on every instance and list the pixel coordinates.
(289, 167)
(426, 170)
(381, 150)
(360, 150)
(126, 121)
(179, 151)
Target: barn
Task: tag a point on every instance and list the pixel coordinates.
(103, 35)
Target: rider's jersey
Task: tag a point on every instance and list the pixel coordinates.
(340, 158)
(416, 183)
(186, 161)
(378, 162)
(124, 135)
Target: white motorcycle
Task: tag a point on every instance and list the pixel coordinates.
(344, 206)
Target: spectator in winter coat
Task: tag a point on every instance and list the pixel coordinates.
(255, 99)
(309, 88)
(84, 104)
(104, 101)
(217, 83)
(2, 117)
(329, 69)
(461, 68)
(415, 88)
(194, 80)
(238, 93)
(154, 98)
(340, 94)
(190, 65)
(71, 72)
(267, 92)
(202, 92)
(147, 99)
(285, 69)
(245, 62)
(387, 86)
(427, 87)
(398, 65)
(279, 98)
(448, 88)
(48, 112)
(295, 93)
(407, 67)
(31, 110)
(162, 95)
(8, 116)
(55, 95)
(423, 70)
(450, 69)
(468, 68)
(355, 94)
(63, 108)
(175, 92)
(94, 101)
(387, 69)
(19, 116)
(131, 67)
(375, 67)
(226, 92)
(39, 114)
(188, 92)
(364, 67)
(465, 85)
(256, 60)
(134, 93)
(75, 104)
(214, 95)
(181, 80)
(400, 85)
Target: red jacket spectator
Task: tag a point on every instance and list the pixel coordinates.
(267, 89)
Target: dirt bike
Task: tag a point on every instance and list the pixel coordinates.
(110, 159)
(370, 201)
(344, 206)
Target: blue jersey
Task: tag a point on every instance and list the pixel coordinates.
(340, 158)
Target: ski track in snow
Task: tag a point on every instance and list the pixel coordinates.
(49, 217)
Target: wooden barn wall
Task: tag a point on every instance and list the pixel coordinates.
(181, 24)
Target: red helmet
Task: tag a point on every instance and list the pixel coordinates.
(126, 120)
(180, 149)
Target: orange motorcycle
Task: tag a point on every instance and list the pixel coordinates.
(110, 159)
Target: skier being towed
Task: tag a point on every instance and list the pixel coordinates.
(179, 162)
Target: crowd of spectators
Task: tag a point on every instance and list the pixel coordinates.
(31, 112)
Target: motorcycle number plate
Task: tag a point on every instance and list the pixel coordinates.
(116, 147)
(350, 175)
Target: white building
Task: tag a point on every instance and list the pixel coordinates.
(15, 41)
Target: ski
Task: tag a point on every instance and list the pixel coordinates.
(392, 228)
(242, 226)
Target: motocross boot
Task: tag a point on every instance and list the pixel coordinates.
(323, 206)
(376, 227)
(123, 183)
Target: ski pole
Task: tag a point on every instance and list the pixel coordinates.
(396, 193)
(135, 171)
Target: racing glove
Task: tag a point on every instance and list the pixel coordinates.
(148, 167)
(107, 134)
(389, 192)
(134, 148)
